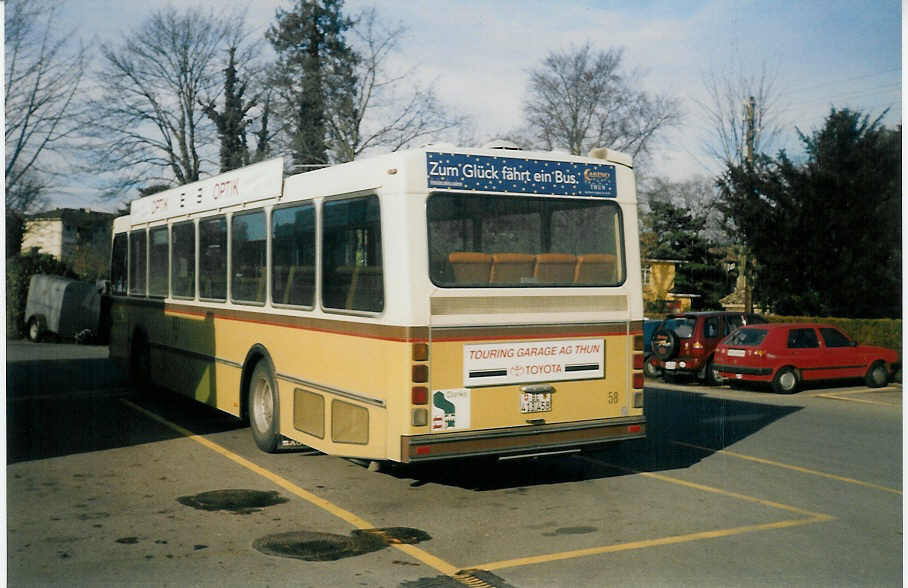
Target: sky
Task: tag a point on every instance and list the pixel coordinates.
(477, 54)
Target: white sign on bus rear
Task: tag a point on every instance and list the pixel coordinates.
(491, 364)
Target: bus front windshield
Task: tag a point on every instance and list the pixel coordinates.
(519, 241)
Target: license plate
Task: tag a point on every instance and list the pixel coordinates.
(671, 365)
(535, 402)
(736, 353)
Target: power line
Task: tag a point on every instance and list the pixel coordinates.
(843, 80)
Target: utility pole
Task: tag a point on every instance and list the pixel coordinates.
(750, 108)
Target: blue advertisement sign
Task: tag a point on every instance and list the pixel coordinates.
(483, 173)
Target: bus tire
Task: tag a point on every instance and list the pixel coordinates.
(140, 363)
(263, 408)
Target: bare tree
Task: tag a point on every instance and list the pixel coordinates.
(153, 82)
(730, 94)
(581, 98)
(43, 77)
(387, 110)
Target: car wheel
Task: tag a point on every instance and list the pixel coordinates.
(650, 368)
(263, 408)
(713, 378)
(877, 376)
(786, 381)
(36, 329)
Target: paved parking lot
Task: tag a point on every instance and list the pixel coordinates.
(732, 488)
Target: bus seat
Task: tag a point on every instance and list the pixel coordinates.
(511, 268)
(366, 289)
(555, 268)
(470, 267)
(596, 268)
(299, 285)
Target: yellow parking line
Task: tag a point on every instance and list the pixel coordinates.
(450, 570)
(844, 396)
(809, 519)
(674, 539)
(791, 467)
(358, 522)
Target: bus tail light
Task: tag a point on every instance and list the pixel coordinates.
(420, 352)
(419, 395)
(420, 373)
(638, 361)
(638, 381)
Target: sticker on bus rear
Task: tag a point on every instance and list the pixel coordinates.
(450, 409)
(491, 364)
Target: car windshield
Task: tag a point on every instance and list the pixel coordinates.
(746, 337)
(683, 326)
(735, 321)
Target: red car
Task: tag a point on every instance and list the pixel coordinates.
(683, 344)
(786, 354)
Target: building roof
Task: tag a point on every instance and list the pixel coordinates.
(60, 213)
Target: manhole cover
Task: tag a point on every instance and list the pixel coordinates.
(235, 501)
(313, 546)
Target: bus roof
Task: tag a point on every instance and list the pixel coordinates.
(434, 167)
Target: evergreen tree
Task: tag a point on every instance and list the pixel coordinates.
(231, 122)
(679, 233)
(314, 71)
(826, 235)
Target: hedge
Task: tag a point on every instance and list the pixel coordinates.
(19, 272)
(882, 332)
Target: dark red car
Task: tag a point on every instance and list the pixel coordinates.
(684, 343)
(786, 354)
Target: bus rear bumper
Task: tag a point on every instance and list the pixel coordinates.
(518, 440)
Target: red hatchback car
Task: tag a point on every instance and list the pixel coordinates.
(786, 354)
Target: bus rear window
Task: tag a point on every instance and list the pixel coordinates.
(508, 241)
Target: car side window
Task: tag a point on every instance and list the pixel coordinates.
(803, 339)
(711, 327)
(835, 338)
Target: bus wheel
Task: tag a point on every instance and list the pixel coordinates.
(140, 363)
(263, 413)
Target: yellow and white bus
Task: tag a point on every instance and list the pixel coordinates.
(420, 305)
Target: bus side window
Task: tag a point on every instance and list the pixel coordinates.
(213, 258)
(352, 275)
(158, 260)
(138, 247)
(182, 269)
(118, 264)
(247, 257)
(293, 255)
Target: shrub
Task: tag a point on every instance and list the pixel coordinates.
(19, 271)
